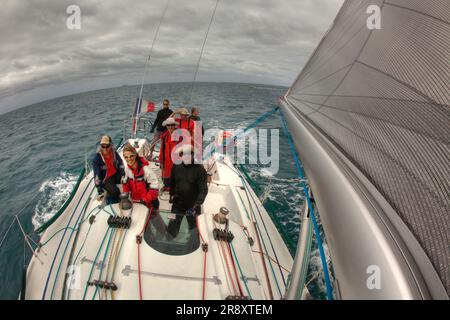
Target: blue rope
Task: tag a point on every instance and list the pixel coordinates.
(240, 271)
(70, 228)
(94, 262)
(84, 208)
(259, 230)
(311, 210)
(60, 243)
(104, 260)
(250, 126)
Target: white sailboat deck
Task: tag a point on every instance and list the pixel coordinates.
(82, 252)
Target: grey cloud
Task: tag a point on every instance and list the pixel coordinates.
(251, 41)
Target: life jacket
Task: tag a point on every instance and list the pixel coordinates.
(141, 182)
(99, 166)
(109, 162)
(187, 124)
(165, 152)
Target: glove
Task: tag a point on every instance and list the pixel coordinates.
(155, 204)
(101, 194)
(191, 212)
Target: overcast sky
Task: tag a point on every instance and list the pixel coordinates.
(259, 41)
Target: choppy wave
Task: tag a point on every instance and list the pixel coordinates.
(54, 192)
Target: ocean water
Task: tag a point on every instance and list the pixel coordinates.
(45, 144)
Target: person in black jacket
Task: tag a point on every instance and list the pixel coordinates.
(162, 115)
(195, 111)
(188, 190)
(108, 170)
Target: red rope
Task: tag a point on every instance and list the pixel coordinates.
(139, 272)
(235, 272)
(204, 277)
(224, 254)
(272, 260)
(138, 240)
(205, 251)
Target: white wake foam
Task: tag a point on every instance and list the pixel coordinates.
(54, 192)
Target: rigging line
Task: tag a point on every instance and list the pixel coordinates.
(240, 271)
(258, 235)
(271, 244)
(223, 255)
(70, 228)
(222, 258)
(120, 250)
(234, 269)
(73, 247)
(111, 235)
(259, 238)
(95, 262)
(82, 212)
(17, 214)
(7, 231)
(201, 51)
(288, 271)
(112, 253)
(260, 119)
(147, 64)
(151, 49)
(311, 209)
(205, 251)
(27, 240)
(115, 257)
(265, 228)
(138, 241)
(24, 253)
(228, 253)
(61, 240)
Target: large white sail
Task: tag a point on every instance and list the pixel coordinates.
(370, 117)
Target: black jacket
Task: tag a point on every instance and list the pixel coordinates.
(197, 118)
(162, 115)
(188, 186)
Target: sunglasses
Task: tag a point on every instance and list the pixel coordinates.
(130, 157)
(165, 104)
(105, 146)
(171, 125)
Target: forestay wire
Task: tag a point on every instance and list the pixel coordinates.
(201, 52)
(147, 64)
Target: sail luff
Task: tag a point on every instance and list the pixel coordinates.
(374, 105)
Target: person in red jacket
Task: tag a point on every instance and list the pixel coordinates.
(139, 179)
(184, 122)
(165, 152)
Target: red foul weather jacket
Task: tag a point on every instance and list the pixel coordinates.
(141, 182)
(167, 145)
